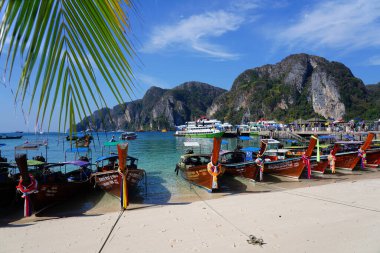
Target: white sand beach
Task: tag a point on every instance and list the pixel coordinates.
(335, 217)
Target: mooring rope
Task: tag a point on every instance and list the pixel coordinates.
(112, 228)
(251, 238)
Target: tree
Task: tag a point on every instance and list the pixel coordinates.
(60, 43)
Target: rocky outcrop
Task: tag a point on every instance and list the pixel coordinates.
(300, 86)
(158, 109)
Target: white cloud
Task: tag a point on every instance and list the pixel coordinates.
(352, 24)
(244, 5)
(195, 33)
(374, 60)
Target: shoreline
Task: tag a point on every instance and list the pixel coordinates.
(340, 213)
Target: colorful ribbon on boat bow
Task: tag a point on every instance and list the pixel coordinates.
(362, 154)
(260, 163)
(26, 191)
(331, 158)
(214, 171)
(306, 161)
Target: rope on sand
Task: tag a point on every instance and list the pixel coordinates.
(112, 228)
(251, 238)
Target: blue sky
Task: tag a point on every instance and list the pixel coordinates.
(214, 41)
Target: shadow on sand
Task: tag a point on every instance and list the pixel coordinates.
(78, 205)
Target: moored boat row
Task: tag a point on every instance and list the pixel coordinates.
(199, 169)
(43, 183)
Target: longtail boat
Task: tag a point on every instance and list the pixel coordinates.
(7, 182)
(349, 159)
(45, 184)
(202, 169)
(327, 162)
(236, 163)
(373, 154)
(291, 167)
(108, 175)
(373, 157)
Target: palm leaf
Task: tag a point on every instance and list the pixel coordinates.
(60, 44)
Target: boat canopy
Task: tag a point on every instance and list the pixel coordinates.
(191, 144)
(114, 156)
(326, 137)
(290, 141)
(107, 157)
(77, 163)
(349, 137)
(349, 142)
(271, 141)
(245, 138)
(250, 149)
(34, 163)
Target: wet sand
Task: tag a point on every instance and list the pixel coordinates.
(339, 212)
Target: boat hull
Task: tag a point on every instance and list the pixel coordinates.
(198, 175)
(3, 137)
(346, 161)
(373, 156)
(51, 193)
(129, 138)
(203, 135)
(109, 181)
(247, 170)
(7, 192)
(287, 168)
(319, 167)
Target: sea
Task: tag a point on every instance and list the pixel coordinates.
(157, 153)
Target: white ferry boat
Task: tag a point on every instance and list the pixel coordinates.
(202, 128)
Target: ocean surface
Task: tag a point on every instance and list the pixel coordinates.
(157, 152)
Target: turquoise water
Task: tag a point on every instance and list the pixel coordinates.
(157, 152)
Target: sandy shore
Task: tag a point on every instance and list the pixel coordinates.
(342, 216)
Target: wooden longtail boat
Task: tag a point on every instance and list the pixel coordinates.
(235, 163)
(348, 160)
(201, 169)
(7, 182)
(45, 185)
(373, 156)
(323, 165)
(108, 177)
(291, 167)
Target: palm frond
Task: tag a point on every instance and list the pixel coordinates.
(60, 44)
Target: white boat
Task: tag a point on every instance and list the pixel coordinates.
(128, 136)
(200, 129)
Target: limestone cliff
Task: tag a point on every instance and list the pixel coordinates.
(158, 109)
(300, 86)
